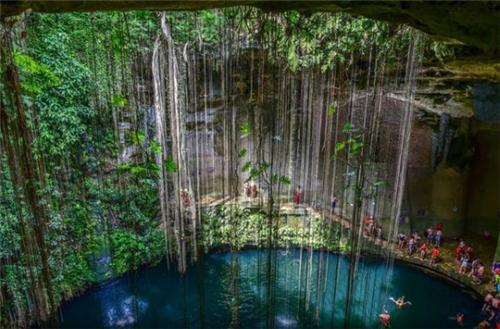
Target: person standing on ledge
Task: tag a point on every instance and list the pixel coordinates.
(434, 255)
(439, 236)
(423, 251)
(430, 235)
(297, 195)
(410, 245)
(246, 189)
(402, 240)
(334, 203)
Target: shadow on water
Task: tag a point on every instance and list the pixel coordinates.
(307, 290)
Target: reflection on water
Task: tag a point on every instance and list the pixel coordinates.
(233, 290)
(123, 314)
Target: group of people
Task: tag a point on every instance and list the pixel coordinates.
(414, 244)
(385, 317)
(490, 311)
(250, 190)
(491, 307)
(463, 256)
(495, 272)
(434, 236)
(372, 229)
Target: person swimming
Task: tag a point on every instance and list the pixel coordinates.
(460, 317)
(385, 318)
(400, 302)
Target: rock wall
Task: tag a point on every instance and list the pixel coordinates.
(463, 192)
(484, 184)
(434, 196)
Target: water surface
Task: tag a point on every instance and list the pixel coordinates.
(306, 290)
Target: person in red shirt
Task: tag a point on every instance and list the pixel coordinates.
(434, 255)
(298, 194)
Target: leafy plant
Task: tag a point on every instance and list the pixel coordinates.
(118, 101)
(170, 165)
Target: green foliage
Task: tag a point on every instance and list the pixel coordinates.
(200, 27)
(354, 142)
(242, 153)
(339, 147)
(246, 166)
(140, 171)
(118, 44)
(332, 109)
(233, 225)
(35, 76)
(55, 82)
(170, 165)
(76, 272)
(254, 174)
(293, 59)
(138, 137)
(75, 72)
(65, 70)
(325, 40)
(131, 250)
(227, 225)
(285, 180)
(245, 129)
(154, 147)
(118, 101)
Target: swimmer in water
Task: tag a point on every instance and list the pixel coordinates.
(460, 319)
(385, 318)
(400, 302)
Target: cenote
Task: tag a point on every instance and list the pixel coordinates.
(207, 297)
(140, 138)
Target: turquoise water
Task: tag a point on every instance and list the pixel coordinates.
(232, 290)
